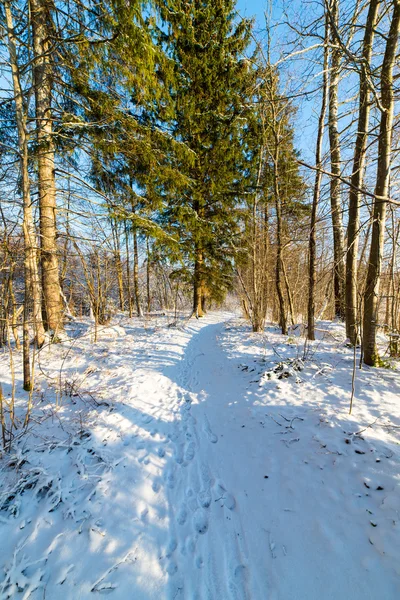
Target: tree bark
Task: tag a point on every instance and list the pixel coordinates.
(148, 275)
(371, 293)
(43, 75)
(136, 274)
(358, 176)
(198, 283)
(32, 280)
(128, 270)
(334, 143)
(312, 248)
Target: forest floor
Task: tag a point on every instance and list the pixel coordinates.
(202, 463)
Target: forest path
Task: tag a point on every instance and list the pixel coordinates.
(204, 476)
(263, 503)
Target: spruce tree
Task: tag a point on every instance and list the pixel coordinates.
(208, 47)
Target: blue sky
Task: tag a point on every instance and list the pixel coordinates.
(305, 119)
(249, 8)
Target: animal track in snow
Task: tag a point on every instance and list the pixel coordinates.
(156, 486)
(204, 498)
(182, 515)
(200, 521)
(172, 568)
(172, 546)
(190, 452)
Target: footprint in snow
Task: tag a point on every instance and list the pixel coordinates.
(146, 419)
(172, 568)
(161, 452)
(169, 479)
(204, 498)
(200, 521)
(189, 452)
(156, 486)
(224, 497)
(178, 453)
(191, 545)
(172, 546)
(182, 515)
(207, 430)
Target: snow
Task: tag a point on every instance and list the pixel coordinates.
(202, 462)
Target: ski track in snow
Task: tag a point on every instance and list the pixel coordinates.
(202, 479)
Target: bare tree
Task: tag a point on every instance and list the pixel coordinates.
(317, 189)
(358, 176)
(371, 293)
(335, 158)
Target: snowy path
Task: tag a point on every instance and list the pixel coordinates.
(199, 483)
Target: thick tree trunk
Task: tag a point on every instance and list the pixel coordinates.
(312, 248)
(334, 143)
(357, 178)
(371, 294)
(52, 305)
(32, 280)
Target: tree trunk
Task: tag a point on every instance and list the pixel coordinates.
(148, 275)
(357, 177)
(118, 264)
(128, 270)
(32, 280)
(136, 274)
(371, 294)
(42, 70)
(288, 292)
(312, 271)
(334, 143)
(198, 283)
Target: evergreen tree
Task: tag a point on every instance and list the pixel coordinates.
(208, 47)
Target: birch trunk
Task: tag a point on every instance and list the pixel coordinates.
(43, 75)
(31, 274)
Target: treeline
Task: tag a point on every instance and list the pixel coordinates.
(148, 156)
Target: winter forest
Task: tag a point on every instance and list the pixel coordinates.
(200, 299)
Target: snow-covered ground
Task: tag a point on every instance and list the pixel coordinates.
(203, 463)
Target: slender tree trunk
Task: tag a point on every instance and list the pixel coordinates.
(358, 176)
(334, 143)
(288, 292)
(198, 283)
(128, 270)
(312, 272)
(32, 280)
(278, 210)
(136, 274)
(43, 75)
(278, 268)
(118, 264)
(371, 294)
(148, 275)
